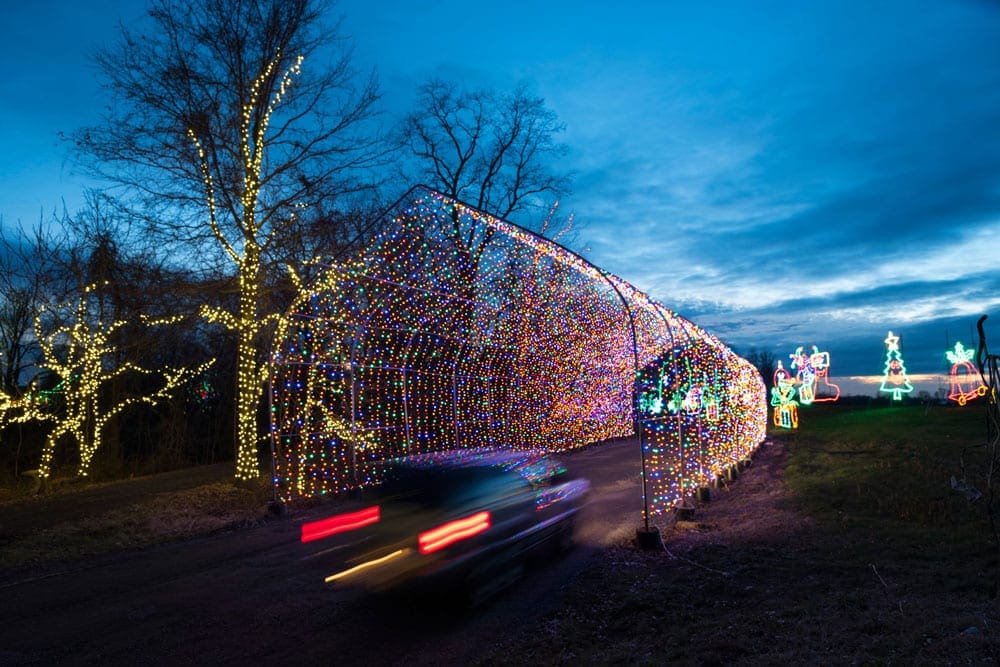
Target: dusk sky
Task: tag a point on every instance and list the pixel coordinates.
(781, 173)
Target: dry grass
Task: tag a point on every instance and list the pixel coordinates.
(160, 518)
(843, 544)
(720, 604)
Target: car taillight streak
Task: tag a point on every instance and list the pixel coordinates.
(454, 531)
(341, 523)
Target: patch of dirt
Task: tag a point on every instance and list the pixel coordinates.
(755, 508)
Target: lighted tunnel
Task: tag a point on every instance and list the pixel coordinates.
(454, 329)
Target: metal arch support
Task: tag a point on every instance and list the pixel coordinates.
(636, 414)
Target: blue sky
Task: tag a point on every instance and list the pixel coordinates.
(782, 173)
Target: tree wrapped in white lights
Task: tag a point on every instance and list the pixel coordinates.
(244, 121)
(247, 323)
(81, 354)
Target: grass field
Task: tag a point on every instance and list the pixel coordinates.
(888, 473)
(844, 543)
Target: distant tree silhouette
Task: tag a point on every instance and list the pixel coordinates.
(79, 352)
(28, 276)
(764, 361)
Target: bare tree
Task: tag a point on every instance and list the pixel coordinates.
(234, 119)
(29, 276)
(765, 363)
(51, 264)
(496, 152)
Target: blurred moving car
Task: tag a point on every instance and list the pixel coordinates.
(457, 521)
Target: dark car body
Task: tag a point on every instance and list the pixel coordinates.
(458, 520)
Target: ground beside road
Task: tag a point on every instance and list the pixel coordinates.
(752, 579)
(76, 521)
(75, 500)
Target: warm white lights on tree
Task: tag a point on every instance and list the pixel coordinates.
(247, 323)
(81, 354)
(213, 119)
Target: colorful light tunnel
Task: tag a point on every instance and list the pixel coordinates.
(453, 329)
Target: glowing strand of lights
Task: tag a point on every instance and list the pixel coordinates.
(696, 432)
(77, 353)
(247, 254)
(413, 346)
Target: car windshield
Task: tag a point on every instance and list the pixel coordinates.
(435, 487)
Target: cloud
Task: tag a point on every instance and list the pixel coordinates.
(848, 185)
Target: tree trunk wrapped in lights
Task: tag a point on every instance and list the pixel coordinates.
(401, 351)
(238, 125)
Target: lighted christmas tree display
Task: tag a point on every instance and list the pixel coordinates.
(966, 381)
(894, 379)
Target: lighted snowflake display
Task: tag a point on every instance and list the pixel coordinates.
(456, 330)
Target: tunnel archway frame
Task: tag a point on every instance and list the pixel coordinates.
(453, 329)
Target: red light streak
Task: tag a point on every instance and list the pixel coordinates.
(453, 531)
(317, 530)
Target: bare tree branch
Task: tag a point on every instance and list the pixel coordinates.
(495, 152)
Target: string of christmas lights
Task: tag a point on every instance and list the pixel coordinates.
(78, 353)
(455, 330)
(246, 250)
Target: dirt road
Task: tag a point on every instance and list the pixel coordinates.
(249, 596)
